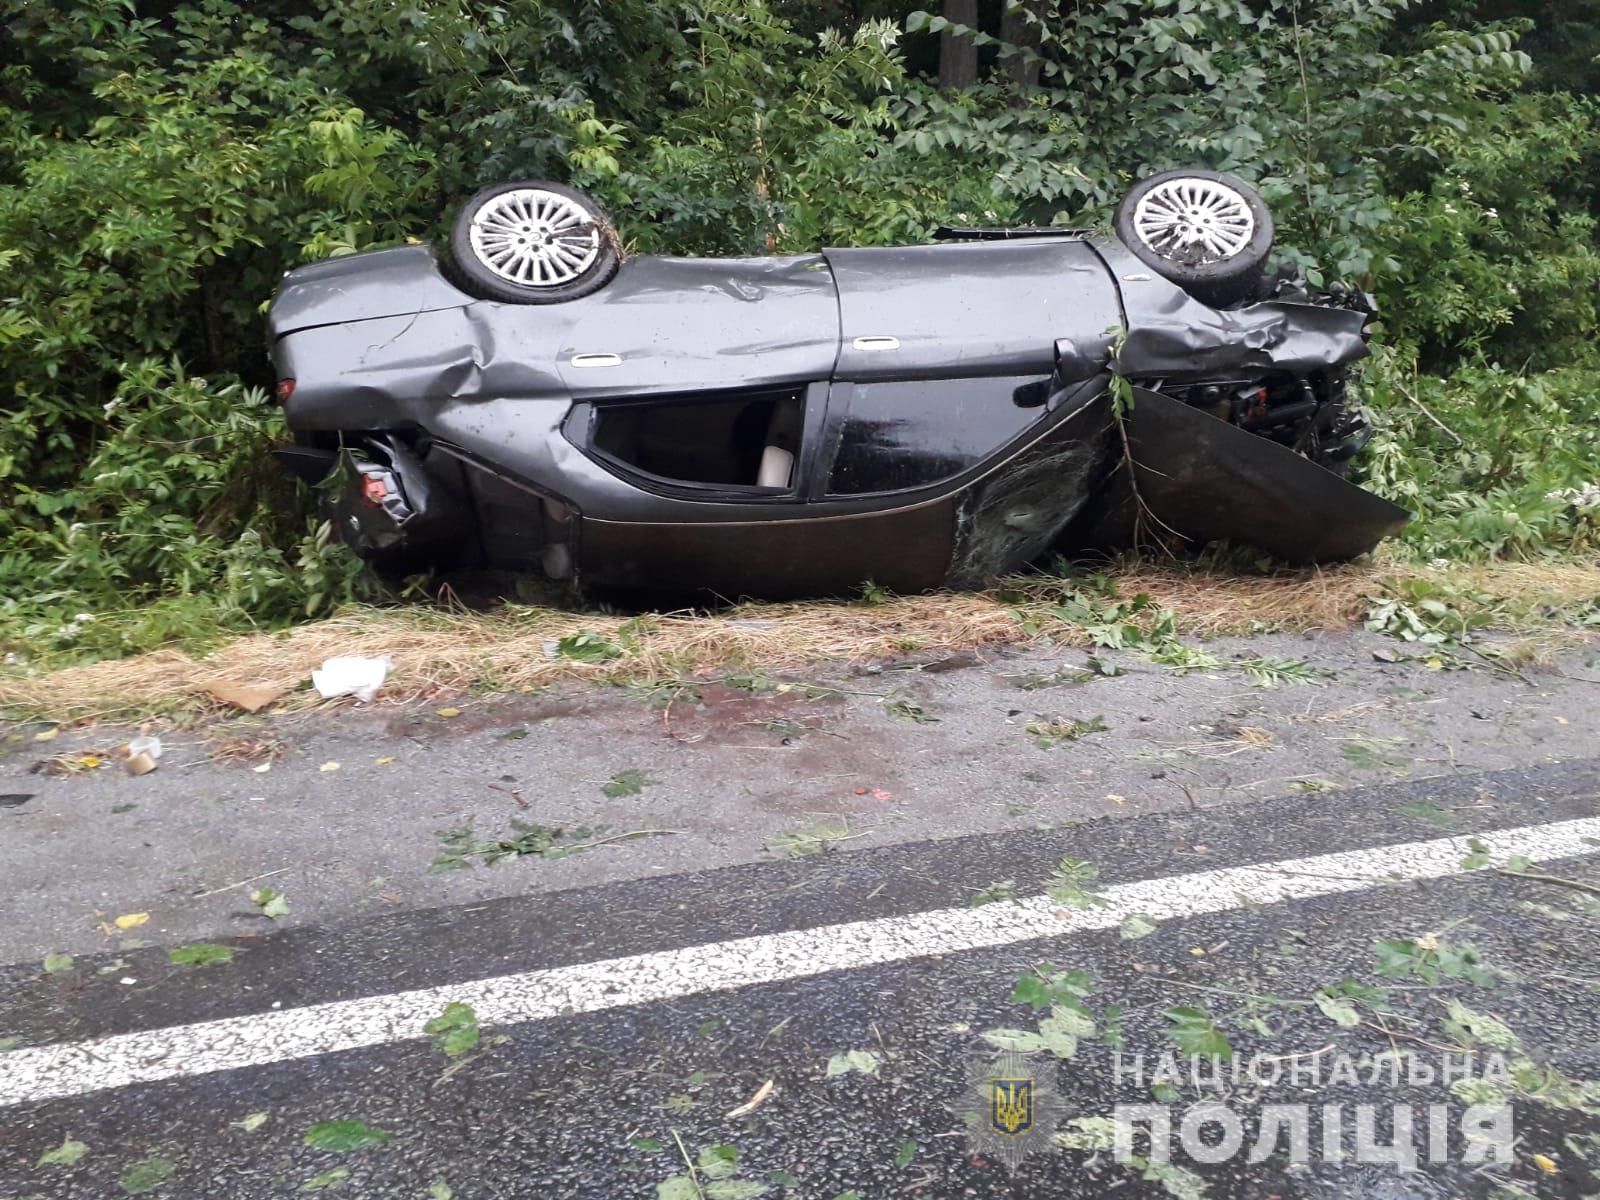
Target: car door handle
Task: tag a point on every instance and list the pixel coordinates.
(878, 342)
(596, 360)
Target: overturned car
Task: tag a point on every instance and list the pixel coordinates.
(920, 416)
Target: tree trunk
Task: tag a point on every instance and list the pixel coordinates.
(958, 56)
(1017, 30)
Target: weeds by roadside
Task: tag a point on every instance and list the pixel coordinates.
(462, 847)
(813, 839)
(447, 650)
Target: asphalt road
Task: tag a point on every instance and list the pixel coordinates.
(1441, 900)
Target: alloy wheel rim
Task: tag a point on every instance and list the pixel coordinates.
(1194, 221)
(535, 238)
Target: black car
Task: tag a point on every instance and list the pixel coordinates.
(920, 416)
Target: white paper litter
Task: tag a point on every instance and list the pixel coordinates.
(351, 675)
(145, 745)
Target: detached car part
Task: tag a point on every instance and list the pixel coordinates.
(921, 416)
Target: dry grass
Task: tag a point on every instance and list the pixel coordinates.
(438, 652)
(1212, 604)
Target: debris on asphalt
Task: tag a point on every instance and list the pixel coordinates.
(251, 698)
(70, 763)
(750, 1105)
(15, 799)
(813, 839)
(143, 754)
(271, 904)
(145, 744)
(351, 675)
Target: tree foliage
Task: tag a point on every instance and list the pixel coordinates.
(162, 163)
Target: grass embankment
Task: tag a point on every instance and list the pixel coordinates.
(439, 650)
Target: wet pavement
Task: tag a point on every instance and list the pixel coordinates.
(346, 821)
(869, 1061)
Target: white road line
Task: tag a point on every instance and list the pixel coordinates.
(73, 1068)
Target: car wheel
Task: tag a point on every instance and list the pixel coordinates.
(533, 242)
(1208, 233)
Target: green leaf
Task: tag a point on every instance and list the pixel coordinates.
(1136, 925)
(63, 1155)
(1337, 1009)
(272, 904)
(1194, 1033)
(455, 1029)
(344, 1136)
(146, 1176)
(200, 954)
(1032, 991)
(910, 710)
(251, 1123)
(1479, 856)
(719, 1162)
(56, 963)
(908, 1151)
(627, 783)
(679, 1187)
(1023, 1041)
(649, 1145)
(1481, 1029)
(440, 1190)
(864, 1061)
(1397, 957)
(1071, 884)
(328, 1179)
(588, 646)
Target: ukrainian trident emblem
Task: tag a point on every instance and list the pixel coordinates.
(1011, 1105)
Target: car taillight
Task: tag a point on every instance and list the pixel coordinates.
(285, 390)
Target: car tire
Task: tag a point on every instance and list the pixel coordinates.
(533, 242)
(1207, 232)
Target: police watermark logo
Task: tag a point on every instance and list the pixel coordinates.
(1231, 1119)
(1010, 1106)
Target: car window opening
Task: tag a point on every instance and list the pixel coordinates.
(748, 440)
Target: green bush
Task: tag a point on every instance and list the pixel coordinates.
(1494, 463)
(158, 173)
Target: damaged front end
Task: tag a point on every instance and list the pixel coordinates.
(1241, 426)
